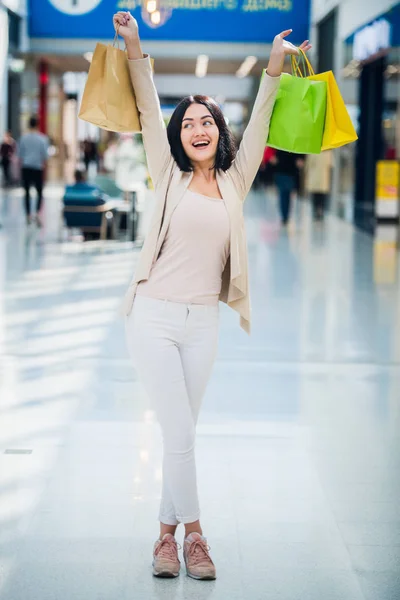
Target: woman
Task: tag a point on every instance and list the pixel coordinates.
(287, 166)
(318, 181)
(194, 254)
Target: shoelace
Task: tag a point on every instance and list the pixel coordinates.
(198, 552)
(167, 549)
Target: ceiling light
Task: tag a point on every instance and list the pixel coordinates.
(246, 66)
(155, 17)
(201, 65)
(156, 12)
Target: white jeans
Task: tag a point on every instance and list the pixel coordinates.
(173, 347)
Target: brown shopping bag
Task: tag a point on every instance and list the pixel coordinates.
(108, 99)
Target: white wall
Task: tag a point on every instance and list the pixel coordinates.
(3, 68)
(352, 13)
(19, 7)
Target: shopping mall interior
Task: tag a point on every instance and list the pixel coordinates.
(298, 438)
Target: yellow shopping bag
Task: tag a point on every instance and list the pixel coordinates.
(338, 129)
(108, 99)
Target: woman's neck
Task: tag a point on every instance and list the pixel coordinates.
(204, 172)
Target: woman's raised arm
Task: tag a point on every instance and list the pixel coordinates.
(254, 139)
(154, 132)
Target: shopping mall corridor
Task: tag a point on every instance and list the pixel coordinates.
(298, 447)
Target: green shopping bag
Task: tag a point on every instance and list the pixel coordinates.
(298, 118)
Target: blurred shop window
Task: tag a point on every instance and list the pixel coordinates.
(397, 130)
(346, 162)
(14, 31)
(390, 115)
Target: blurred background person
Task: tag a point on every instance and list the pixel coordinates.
(90, 154)
(81, 184)
(130, 177)
(265, 174)
(7, 152)
(267, 167)
(33, 154)
(318, 177)
(109, 157)
(125, 164)
(286, 166)
(130, 169)
(102, 145)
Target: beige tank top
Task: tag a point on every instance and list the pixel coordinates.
(194, 253)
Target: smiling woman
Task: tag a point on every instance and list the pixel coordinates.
(195, 255)
(197, 130)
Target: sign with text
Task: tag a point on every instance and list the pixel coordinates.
(256, 21)
(387, 188)
(371, 40)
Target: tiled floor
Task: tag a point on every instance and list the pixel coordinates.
(298, 443)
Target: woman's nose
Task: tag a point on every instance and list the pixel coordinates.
(198, 129)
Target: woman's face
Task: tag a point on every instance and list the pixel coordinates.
(199, 134)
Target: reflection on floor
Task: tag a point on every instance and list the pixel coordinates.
(298, 443)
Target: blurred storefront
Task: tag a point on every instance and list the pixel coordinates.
(11, 64)
(374, 52)
(354, 40)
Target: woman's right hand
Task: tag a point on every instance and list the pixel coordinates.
(126, 26)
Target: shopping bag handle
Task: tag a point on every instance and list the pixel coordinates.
(116, 39)
(296, 71)
(302, 60)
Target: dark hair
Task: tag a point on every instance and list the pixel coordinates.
(79, 176)
(226, 150)
(33, 122)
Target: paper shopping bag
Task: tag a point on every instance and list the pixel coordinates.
(339, 129)
(108, 99)
(298, 117)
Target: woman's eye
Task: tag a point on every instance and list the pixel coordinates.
(208, 123)
(187, 125)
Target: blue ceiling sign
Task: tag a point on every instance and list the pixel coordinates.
(391, 17)
(256, 21)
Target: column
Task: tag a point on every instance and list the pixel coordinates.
(3, 68)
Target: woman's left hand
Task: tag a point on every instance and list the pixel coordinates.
(282, 48)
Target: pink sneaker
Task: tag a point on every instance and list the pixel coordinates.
(198, 561)
(165, 557)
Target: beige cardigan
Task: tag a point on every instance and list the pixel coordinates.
(170, 184)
